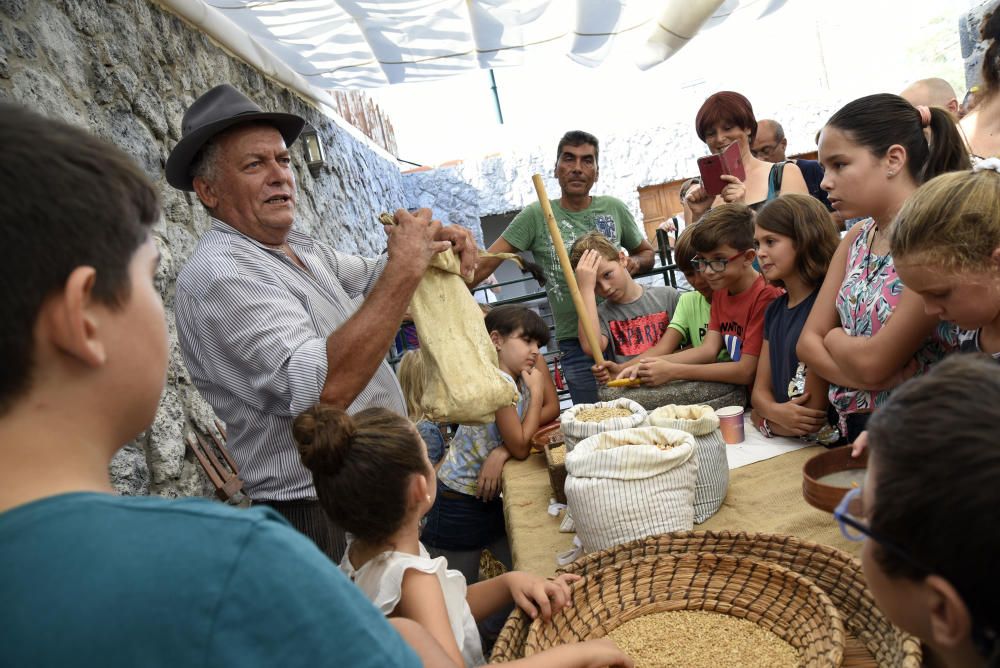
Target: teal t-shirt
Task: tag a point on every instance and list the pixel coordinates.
(528, 231)
(691, 319)
(102, 580)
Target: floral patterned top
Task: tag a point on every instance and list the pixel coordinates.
(869, 294)
(471, 445)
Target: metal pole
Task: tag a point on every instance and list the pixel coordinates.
(496, 97)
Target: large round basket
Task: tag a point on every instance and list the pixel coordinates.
(775, 598)
(872, 639)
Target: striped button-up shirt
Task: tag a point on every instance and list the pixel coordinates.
(253, 327)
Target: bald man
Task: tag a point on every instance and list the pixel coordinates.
(933, 92)
(769, 144)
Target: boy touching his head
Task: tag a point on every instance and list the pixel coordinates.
(632, 318)
(88, 576)
(723, 241)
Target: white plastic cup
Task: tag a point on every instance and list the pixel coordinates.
(731, 424)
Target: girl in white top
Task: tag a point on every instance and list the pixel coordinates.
(374, 479)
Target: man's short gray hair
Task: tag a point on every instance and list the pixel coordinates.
(205, 165)
(779, 132)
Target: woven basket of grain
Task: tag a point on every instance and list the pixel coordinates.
(872, 639)
(775, 598)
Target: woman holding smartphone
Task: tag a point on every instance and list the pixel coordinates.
(724, 119)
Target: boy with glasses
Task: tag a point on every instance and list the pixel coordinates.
(929, 509)
(723, 241)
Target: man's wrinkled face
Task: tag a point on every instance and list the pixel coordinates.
(253, 187)
(766, 146)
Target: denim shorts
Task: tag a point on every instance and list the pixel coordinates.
(462, 522)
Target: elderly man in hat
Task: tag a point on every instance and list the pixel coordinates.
(271, 321)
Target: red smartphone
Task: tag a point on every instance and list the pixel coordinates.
(712, 167)
(732, 160)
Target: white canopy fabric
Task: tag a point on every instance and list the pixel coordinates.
(372, 43)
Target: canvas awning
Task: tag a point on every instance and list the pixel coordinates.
(370, 43)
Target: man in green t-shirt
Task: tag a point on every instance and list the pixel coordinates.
(577, 212)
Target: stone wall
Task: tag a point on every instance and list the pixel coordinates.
(972, 48)
(126, 70)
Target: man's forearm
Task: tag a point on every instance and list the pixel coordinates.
(355, 349)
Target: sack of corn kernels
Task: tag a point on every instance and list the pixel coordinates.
(629, 484)
(585, 420)
(709, 451)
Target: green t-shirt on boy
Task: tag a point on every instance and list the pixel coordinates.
(528, 231)
(691, 319)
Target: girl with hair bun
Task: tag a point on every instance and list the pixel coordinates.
(982, 125)
(374, 478)
(866, 332)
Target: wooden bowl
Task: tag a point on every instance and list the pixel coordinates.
(550, 434)
(825, 496)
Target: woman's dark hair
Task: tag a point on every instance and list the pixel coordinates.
(509, 318)
(936, 468)
(725, 106)
(70, 200)
(808, 224)
(880, 121)
(361, 466)
(990, 30)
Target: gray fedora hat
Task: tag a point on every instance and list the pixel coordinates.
(219, 109)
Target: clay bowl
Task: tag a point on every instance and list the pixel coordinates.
(549, 434)
(821, 495)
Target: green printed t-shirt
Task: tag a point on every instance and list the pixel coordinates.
(528, 231)
(691, 319)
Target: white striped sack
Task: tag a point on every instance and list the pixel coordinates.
(621, 485)
(575, 431)
(709, 450)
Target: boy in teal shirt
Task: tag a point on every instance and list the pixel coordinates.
(89, 577)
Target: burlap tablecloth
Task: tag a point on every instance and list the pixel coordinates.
(763, 497)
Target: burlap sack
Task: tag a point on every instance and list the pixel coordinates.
(575, 430)
(463, 383)
(709, 450)
(621, 486)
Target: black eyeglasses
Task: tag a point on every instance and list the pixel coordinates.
(717, 265)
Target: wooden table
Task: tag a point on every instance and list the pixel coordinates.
(763, 497)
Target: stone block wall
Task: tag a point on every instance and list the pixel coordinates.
(972, 47)
(126, 70)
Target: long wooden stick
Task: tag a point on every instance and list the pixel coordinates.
(567, 268)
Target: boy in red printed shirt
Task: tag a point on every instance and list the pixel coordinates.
(632, 318)
(723, 240)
